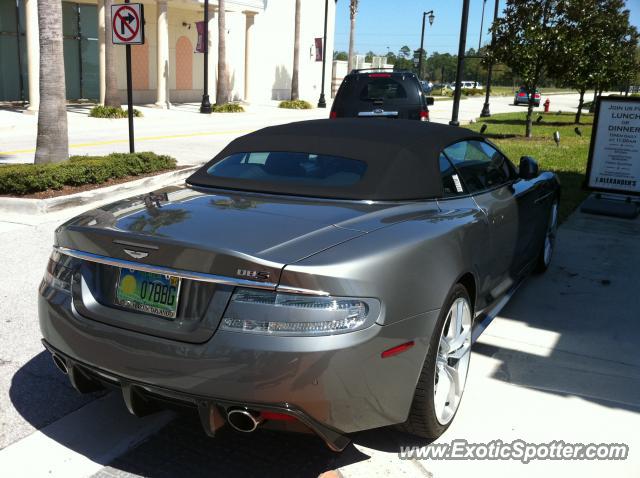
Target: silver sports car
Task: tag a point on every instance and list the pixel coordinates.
(326, 276)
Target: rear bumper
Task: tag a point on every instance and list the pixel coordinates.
(525, 101)
(337, 383)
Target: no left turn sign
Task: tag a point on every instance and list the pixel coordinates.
(127, 24)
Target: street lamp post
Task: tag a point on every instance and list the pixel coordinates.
(461, 49)
(205, 106)
(484, 3)
(421, 53)
(485, 108)
(322, 103)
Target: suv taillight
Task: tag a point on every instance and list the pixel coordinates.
(424, 115)
(333, 115)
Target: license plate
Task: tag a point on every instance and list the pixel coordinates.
(147, 292)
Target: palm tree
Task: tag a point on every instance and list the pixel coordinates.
(222, 86)
(111, 95)
(295, 93)
(353, 11)
(52, 143)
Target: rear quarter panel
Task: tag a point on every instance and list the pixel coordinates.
(410, 266)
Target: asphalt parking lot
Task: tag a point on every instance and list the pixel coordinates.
(561, 362)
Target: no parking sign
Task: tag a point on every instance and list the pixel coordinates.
(127, 24)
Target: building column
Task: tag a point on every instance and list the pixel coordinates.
(248, 43)
(33, 54)
(101, 52)
(162, 96)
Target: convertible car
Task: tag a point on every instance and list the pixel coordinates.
(324, 276)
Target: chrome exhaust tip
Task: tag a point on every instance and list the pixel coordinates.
(243, 420)
(60, 363)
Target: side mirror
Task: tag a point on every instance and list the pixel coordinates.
(528, 168)
(430, 100)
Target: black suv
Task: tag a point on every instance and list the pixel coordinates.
(381, 94)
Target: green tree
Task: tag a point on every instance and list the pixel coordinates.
(596, 45)
(526, 36)
(52, 141)
(405, 52)
(340, 55)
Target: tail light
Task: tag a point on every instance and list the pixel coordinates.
(522, 95)
(274, 313)
(379, 75)
(537, 95)
(424, 115)
(333, 115)
(58, 272)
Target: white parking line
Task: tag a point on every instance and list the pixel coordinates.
(81, 443)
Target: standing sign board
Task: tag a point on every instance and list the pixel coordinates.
(614, 155)
(127, 26)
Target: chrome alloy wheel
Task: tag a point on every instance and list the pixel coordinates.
(452, 361)
(550, 237)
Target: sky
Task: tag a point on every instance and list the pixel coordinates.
(394, 23)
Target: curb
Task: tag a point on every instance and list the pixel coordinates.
(33, 207)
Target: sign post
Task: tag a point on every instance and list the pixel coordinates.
(613, 168)
(128, 29)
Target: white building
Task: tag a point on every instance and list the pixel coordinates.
(260, 37)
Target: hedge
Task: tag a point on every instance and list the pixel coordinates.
(100, 111)
(227, 108)
(20, 179)
(295, 105)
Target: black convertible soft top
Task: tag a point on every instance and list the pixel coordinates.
(401, 156)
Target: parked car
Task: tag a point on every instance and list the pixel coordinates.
(427, 86)
(522, 97)
(442, 86)
(468, 85)
(326, 275)
(381, 94)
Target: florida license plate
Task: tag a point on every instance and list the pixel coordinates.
(147, 292)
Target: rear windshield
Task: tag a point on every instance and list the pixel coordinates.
(381, 87)
(286, 167)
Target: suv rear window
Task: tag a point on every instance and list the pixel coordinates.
(382, 88)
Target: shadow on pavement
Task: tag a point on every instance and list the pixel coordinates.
(42, 394)
(181, 449)
(82, 108)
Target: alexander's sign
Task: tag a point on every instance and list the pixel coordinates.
(614, 155)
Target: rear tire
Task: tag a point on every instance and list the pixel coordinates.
(546, 253)
(444, 373)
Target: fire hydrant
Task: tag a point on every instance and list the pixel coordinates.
(547, 104)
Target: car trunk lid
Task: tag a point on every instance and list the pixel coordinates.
(234, 237)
